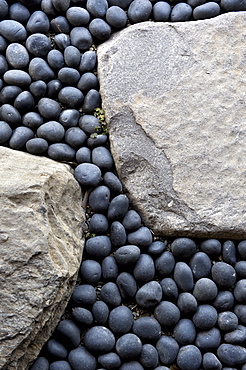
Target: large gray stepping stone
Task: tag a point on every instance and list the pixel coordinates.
(40, 251)
(175, 100)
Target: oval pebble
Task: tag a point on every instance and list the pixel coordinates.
(87, 82)
(183, 248)
(55, 59)
(9, 93)
(100, 312)
(99, 198)
(200, 265)
(82, 316)
(161, 11)
(147, 328)
(120, 320)
(24, 102)
(51, 131)
(68, 333)
(227, 321)
(211, 362)
(83, 295)
(224, 300)
(60, 365)
(100, 29)
(110, 294)
(97, 8)
(99, 339)
(187, 303)
(117, 234)
(169, 288)
(62, 41)
(92, 101)
(149, 295)
(40, 70)
(49, 108)
(17, 77)
(87, 174)
(167, 313)
(205, 317)
(141, 237)
(90, 271)
(229, 252)
(208, 340)
(61, 152)
(156, 247)
(38, 22)
(60, 24)
(189, 358)
(184, 332)
(205, 11)
(89, 124)
(240, 291)
(3, 9)
(127, 285)
(211, 247)
(131, 220)
(77, 16)
(240, 268)
(149, 356)
(183, 276)
(88, 61)
(205, 290)
(118, 207)
(12, 30)
(81, 38)
(128, 254)
(116, 17)
(56, 349)
(109, 268)
(71, 97)
(114, 184)
(5, 132)
(110, 360)
(144, 270)
(237, 336)
(69, 117)
(165, 263)
(81, 358)
(69, 76)
(167, 348)
(139, 11)
(98, 223)
(231, 355)
(223, 274)
(9, 114)
(38, 88)
(98, 246)
(128, 346)
(102, 157)
(53, 89)
(75, 137)
(20, 136)
(61, 5)
(40, 364)
(17, 55)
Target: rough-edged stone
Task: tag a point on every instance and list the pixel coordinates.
(174, 100)
(40, 251)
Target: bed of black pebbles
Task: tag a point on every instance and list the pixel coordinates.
(142, 303)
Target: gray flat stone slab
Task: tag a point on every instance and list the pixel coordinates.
(175, 100)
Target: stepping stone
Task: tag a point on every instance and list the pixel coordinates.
(41, 247)
(174, 98)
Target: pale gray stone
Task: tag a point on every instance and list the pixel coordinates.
(40, 251)
(174, 97)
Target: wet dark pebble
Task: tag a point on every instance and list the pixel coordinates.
(205, 317)
(227, 321)
(205, 290)
(200, 265)
(117, 234)
(208, 340)
(181, 12)
(114, 184)
(77, 16)
(183, 277)
(165, 263)
(98, 224)
(231, 355)
(139, 11)
(99, 198)
(144, 270)
(116, 17)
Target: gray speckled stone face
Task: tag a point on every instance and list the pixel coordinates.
(174, 97)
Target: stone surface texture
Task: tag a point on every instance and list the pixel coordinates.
(41, 246)
(175, 101)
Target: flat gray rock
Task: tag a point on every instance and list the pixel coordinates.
(40, 251)
(174, 98)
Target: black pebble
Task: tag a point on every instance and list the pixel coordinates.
(20, 136)
(169, 288)
(167, 348)
(78, 16)
(72, 56)
(237, 336)
(200, 265)
(120, 320)
(187, 303)
(113, 183)
(81, 38)
(102, 157)
(167, 313)
(144, 270)
(60, 365)
(62, 41)
(97, 8)
(83, 295)
(98, 224)
(189, 358)
(205, 317)
(117, 234)
(127, 285)
(61, 152)
(37, 146)
(231, 355)
(10, 114)
(24, 102)
(56, 349)
(51, 131)
(211, 362)
(88, 174)
(149, 356)
(128, 346)
(75, 137)
(71, 97)
(98, 246)
(109, 268)
(81, 358)
(147, 328)
(205, 11)
(127, 254)
(69, 76)
(9, 93)
(89, 123)
(32, 120)
(224, 300)
(110, 360)
(5, 132)
(17, 56)
(38, 88)
(55, 59)
(92, 100)
(183, 276)
(242, 249)
(82, 316)
(149, 295)
(99, 199)
(38, 22)
(90, 271)
(99, 339)
(49, 108)
(40, 70)
(181, 12)
(139, 11)
(240, 268)
(110, 294)
(17, 77)
(161, 11)
(88, 61)
(60, 25)
(165, 263)
(83, 155)
(141, 237)
(116, 17)
(88, 81)
(100, 29)
(208, 340)
(240, 291)
(211, 246)
(68, 333)
(69, 117)
(118, 207)
(131, 220)
(205, 290)
(185, 332)
(223, 274)
(12, 30)
(183, 248)
(100, 312)
(19, 12)
(40, 364)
